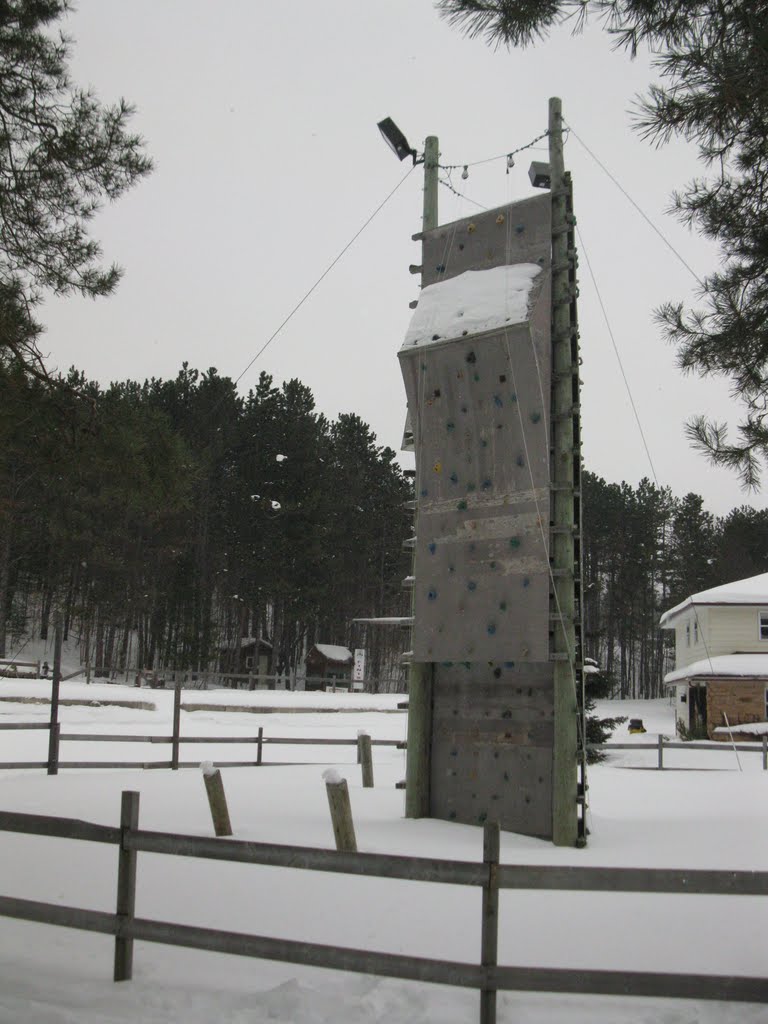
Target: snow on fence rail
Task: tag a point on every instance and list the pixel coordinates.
(662, 744)
(490, 876)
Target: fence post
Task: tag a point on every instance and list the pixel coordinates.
(260, 744)
(217, 799)
(341, 811)
(365, 756)
(176, 725)
(765, 753)
(54, 731)
(490, 923)
(661, 751)
(126, 886)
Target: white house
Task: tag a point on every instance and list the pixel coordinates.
(721, 657)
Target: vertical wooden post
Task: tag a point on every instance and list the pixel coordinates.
(418, 756)
(366, 758)
(565, 458)
(490, 922)
(765, 753)
(54, 729)
(260, 745)
(341, 812)
(176, 725)
(217, 799)
(88, 673)
(661, 751)
(431, 170)
(126, 886)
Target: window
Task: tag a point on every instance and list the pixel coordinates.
(695, 631)
(763, 625)
(687, 634)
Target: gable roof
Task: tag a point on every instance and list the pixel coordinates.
(751, 591)
(333, 652)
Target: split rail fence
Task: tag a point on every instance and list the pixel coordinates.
(489, 977)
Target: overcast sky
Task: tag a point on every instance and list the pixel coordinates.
(261, 119)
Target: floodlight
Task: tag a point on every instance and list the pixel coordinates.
(395, 139)
(540, 175)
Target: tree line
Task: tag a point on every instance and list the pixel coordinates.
(168, 519)
(644, 551)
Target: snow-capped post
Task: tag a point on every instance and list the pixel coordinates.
(217, 800)
(489, 938)
(341, 811)
(54, 729)
(126, 885)
(176, 725)
(365, 757)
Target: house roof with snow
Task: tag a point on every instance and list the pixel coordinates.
(752, 591)
(334, 652)
(722, 666)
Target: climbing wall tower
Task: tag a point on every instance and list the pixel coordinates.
(493, 726)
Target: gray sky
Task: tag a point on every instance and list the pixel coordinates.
(262, 121)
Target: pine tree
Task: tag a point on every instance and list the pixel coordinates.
(61, 155)
(712, 61)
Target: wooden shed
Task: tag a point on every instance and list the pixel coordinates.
(248, 654)
(328, 662)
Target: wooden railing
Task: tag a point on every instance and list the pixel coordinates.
(662, 743)
(489, 876)
(176, 740)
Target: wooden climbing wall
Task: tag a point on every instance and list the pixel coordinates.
(480, 410)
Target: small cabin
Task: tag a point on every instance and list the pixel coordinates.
(721, 658)
(328, 663)
(248, 655)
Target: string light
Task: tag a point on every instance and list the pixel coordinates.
(501, 156)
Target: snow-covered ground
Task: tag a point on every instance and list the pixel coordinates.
(715, 818)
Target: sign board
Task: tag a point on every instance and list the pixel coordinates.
(358, 670)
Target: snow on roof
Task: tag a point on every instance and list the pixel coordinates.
(753, 590)
(750, 728)
(244, 641)
(722, 665)
(475, 301)
(333, 652)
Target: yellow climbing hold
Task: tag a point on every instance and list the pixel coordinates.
(438, 467)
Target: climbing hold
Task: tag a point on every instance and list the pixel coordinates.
(450, 425)
(470, 488)
(492, 565)
(436, 392)
(463, 408)
(491, 628)
(432, 594)
(514, 542)
(500, 219)
(424, 492)
(483, 443)
(476, 376)
(471, 228)
(432, 548)
(519, 229)
(520, 460)
(502, 378)
(471, 357)
(438, 467)
(462, 505)
(471, 585)
(526, 581)
(497, 673)
(486, 483)
(435, 337)
(440, 268)
(535, 417)
(453, 478)
(503, 605)
(464, 334)
(497, 401)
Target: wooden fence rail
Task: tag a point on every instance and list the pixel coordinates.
(176, 740)
(662, 743)
(490, 876)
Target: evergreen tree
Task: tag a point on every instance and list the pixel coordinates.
(61, 155)
(711, 57)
